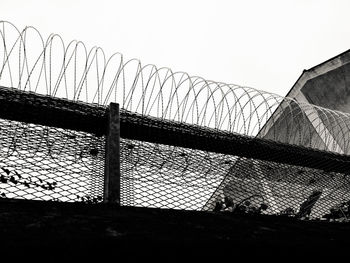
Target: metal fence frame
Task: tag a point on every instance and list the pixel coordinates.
(115, 124)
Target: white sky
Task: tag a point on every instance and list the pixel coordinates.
(261, 44)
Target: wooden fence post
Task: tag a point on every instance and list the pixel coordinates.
(112, 161)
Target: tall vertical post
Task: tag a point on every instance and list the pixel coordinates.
(112, 160)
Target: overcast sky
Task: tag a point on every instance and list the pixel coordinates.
(262, 44)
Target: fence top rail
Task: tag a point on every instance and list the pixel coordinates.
(46, 110)
(145, 128)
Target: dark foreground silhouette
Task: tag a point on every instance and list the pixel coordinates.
(52, 230)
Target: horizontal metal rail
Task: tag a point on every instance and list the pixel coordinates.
(35, 108)
(39, 109)
(134, 126)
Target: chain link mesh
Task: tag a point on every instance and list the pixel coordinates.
(46, 163)
(155, 175)
(277, 179)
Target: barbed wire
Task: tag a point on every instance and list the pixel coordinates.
(49, 66)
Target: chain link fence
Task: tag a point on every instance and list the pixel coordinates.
(47, 163)
(167, 164)
(230, 173)
(155, 175)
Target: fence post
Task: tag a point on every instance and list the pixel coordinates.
(112, 160)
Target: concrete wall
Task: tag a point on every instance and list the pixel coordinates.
(326, 85)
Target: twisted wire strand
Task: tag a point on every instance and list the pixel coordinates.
(49, 66)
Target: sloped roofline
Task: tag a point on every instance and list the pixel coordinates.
(321, 68)
(307, 74)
